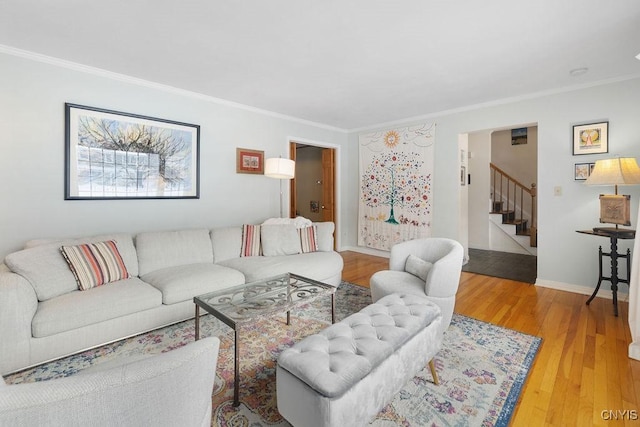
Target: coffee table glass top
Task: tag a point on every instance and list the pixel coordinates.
(274, 295)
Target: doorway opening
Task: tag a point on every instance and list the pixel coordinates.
(501, 202)
(313, 189)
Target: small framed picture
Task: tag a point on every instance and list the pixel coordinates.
(592, 138)
(518, 136)
(582, 171)
(249, 161)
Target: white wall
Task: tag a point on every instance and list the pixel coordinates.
(463, 217)
(32, 97)
(479, 190)
(519, 161)
(565, 258)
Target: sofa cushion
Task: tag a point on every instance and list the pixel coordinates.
(280, 239)
(250, 240)
(49, 274)
(162, 249)
(324, 232)
(226, 242)
(317, 265)
(417, 266)
(184, 282)
(76, 309)
(308, 239)
(94, 264)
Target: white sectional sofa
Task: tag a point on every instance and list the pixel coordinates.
(44, 316)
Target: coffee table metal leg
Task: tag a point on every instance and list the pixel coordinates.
(197, 322)
(288, 318)
(236, 370)
(333, 308)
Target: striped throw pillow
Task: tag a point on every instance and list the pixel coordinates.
(308, 239)
(95, 264)
(250, 240)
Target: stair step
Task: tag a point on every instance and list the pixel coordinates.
(508, 217)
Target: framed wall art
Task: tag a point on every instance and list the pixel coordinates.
(115, 155)
(592, 138)
(582, 171)
(518, 136)
(249, 161)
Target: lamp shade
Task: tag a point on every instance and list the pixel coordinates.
(618, 171)
(279, 168)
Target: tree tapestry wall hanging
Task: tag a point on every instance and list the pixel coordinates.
(396, 179)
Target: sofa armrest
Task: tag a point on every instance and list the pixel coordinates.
(171, 388)
(18, 304)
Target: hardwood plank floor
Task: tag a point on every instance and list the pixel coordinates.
(581, 375)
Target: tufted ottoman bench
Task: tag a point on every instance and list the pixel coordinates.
(345, 374)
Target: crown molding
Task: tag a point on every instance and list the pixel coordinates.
(33, 56)
(497, 102)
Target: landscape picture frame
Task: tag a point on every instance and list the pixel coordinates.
(249, 161)
(591, 138)
(116, 155)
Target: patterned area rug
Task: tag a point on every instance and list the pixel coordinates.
(482, 367)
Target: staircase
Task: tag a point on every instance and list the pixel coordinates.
(513, 208)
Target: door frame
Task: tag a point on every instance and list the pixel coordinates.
(337, 188)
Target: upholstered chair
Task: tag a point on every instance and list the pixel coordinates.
(168, 389)
(428, 267)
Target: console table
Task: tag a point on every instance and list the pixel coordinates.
(613, 234)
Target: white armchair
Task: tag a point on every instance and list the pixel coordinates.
(428, 267)
(168, 389)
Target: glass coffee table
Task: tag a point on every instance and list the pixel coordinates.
(245, 303)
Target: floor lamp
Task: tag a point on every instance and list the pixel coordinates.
(281, 169)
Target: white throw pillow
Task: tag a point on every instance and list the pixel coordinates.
(280, 239)
(417, 266)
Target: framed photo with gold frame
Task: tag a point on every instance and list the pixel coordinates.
(249, 161)
(615, 209)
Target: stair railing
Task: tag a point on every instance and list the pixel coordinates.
(514, 199)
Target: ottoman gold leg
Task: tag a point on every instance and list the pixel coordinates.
(434, 374)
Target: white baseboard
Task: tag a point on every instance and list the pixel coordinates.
(603, 292)
(366, 251)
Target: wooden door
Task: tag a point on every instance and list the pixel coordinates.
(328, 184)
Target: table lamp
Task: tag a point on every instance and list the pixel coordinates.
(614, 208)
(281, 169)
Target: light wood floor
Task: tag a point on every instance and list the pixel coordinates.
(581, 369)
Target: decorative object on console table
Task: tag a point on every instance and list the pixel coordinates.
(592, 138)
(249, 161)
(280, 168)
(613, 235)
(615, 209)
(115, 155)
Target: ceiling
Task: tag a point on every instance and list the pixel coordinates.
(346, 64)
